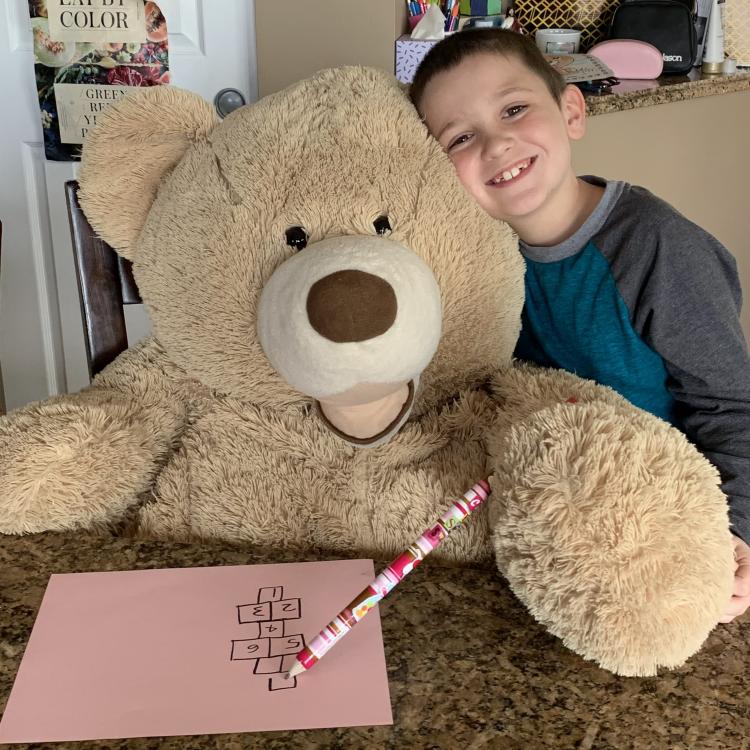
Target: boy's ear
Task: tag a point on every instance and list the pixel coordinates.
(573, 107)
(137, 141)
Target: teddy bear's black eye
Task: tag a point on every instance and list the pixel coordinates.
(382, 225)
(296, 237)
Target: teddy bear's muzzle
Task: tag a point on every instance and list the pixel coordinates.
(352, 322)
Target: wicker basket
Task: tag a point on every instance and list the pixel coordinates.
(592, 17)
(737, 30)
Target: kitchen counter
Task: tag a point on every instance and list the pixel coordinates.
(637, 94)
(467, 666)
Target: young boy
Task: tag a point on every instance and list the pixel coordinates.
(620, 288)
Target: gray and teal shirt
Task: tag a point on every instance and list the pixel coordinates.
(646, 302)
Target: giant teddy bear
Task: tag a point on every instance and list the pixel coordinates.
(331, 365)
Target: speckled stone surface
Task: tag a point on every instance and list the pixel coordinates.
(636, 94)
(468, 667)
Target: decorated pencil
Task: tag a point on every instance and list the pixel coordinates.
(389, 577)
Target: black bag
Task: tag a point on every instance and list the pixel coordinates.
(667, 24)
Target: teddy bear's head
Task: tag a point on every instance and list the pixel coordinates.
(315, 246)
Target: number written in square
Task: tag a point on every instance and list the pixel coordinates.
(272, 629)
(271, 594)
(285, 609)
(290, 644)
(254, 612)
(250, 648)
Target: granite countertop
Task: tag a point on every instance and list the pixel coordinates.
(636, 94)
(467, 666)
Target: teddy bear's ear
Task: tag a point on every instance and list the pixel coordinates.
(135, 144)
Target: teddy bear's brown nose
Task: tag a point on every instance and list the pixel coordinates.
(351, 305)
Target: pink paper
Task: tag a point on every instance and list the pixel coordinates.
(164, 652)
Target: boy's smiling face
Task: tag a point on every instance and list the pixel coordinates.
(507, 136)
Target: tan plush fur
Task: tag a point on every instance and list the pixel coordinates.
(620, 533)
(607, 523)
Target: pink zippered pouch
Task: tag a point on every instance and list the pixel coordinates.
(629, 58)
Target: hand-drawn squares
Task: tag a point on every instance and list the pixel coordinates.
(250, 648)
(271, 629)
(291, 644)
(285, 609)
(268, 666)
(252, 630)
(278, 682)
(270, 594)
(287, 661)
(254, 612)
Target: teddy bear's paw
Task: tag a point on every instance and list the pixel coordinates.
(612, 529)
(67, 465)
(525, 388)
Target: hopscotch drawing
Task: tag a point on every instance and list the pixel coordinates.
(271, 644)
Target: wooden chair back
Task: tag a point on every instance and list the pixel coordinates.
(105, 285)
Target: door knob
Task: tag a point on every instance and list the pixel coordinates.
(227, 100)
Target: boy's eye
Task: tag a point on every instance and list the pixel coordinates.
(516, 109)
(458, 141)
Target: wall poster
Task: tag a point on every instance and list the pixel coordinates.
(87, 54)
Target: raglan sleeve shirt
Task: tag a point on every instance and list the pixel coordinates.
(683, 293)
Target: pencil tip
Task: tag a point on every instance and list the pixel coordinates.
(295, 669)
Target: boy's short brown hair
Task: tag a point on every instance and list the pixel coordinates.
(455, 48)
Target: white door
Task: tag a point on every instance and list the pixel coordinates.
(212, 47)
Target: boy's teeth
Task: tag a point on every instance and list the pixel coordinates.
(511, 173)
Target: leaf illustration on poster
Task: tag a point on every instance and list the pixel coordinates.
(87, 54)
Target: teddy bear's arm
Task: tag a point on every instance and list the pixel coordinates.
(80, 460)
(607, 522)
